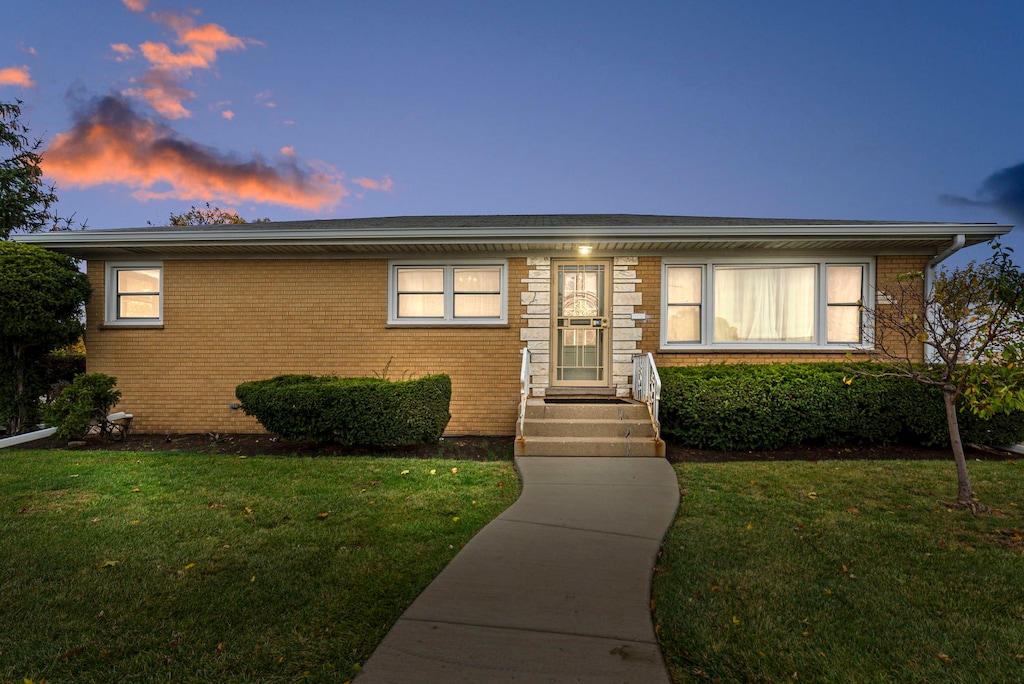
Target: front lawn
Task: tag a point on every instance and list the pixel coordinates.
(119, 566)
(843, 571)
(182, 567)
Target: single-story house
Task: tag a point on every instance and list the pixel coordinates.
(181, 316)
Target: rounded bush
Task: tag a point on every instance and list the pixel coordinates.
(365, 411)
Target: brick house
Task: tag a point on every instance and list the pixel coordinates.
(182, 315)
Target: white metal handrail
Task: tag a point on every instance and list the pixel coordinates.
(647, 386)
(524, 388)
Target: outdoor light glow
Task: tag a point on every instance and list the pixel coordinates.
(584, 249)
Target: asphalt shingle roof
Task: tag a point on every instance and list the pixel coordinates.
(530, 220)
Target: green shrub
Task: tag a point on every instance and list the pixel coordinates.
(367, 411)
(748, 407)
(86, 401)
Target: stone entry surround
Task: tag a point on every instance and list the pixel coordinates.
(536, 330)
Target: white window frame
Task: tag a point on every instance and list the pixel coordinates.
(707, 318)
(112, 312)
(449, 266)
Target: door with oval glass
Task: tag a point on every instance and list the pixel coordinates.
(580, 324)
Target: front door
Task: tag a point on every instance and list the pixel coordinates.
(580, 324)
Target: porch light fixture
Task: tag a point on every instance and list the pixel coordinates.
(584, 250)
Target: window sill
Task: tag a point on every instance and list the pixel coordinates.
(763, 350)
(131, 326)
(461, 326)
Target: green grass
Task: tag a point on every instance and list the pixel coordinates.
(843, 571)
(119, 566)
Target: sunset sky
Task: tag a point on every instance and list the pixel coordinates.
(888, 110)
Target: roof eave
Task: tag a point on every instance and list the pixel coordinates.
(109, 243)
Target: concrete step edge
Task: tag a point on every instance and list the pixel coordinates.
(595, 430)
(618, 447)
(586, 411)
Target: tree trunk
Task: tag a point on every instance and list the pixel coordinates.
(18, 418)
(964, 495)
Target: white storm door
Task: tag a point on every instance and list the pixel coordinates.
(580, 324)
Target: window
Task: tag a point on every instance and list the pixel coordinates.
(134, 294)
(420, 292)
(764, 303)
(813, 303)
(447, 294)
(477, 292)
(684, 302)
(845, 294)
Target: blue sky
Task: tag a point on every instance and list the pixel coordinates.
(317, 109)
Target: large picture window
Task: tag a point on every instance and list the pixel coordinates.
(764, 303)
(814, 303)
(447, 293)
(134, 294)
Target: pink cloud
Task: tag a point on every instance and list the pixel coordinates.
(122, 51)
(263, 98)
(16, 76)
(136, 5)
(161, 90)
(227, 114)
(201, 43)
(112, 144)
(385, 184)
(197, 48)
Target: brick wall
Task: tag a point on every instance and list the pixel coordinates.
(888, 268)
(229, 321)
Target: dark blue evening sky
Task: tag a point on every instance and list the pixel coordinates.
(859, 110)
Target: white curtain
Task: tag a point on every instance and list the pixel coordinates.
(477, 292)
(845, 287)
(684, 303)
(420, 292)
(764, 304)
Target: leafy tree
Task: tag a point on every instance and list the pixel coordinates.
(209, 216)
(25, 200)
(973, 325)
(42, 294)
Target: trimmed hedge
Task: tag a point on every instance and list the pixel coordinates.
(751, 407)
(366, 411)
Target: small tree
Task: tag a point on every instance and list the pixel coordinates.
(973, 328)
(209, 216)
(41, 298)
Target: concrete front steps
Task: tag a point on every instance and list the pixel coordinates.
(616, 428)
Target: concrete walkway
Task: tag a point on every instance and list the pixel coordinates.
(555, 589)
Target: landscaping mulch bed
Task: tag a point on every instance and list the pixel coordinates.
(487, 449)
(461, 448)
